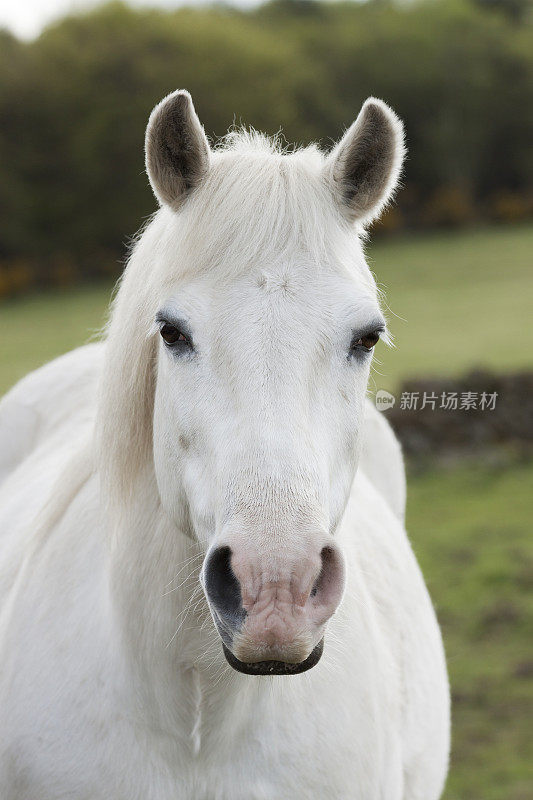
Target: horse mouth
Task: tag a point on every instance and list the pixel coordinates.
(274, 667)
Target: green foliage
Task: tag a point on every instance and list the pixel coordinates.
(74, 104)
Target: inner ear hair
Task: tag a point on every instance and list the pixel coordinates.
(176, 148)
(365, 166)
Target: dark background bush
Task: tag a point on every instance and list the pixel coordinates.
(481, 427)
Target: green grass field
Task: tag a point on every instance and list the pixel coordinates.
(457, 300)
(471, 530)
(39, 327)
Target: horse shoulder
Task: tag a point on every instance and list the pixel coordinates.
(390, 581)
(55, 642)
(382, 459)
(46, 400)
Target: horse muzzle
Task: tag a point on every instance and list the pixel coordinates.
(271, 612)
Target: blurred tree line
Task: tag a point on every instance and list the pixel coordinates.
(74, 104)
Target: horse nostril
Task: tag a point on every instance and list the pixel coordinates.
(327, 589)
(222, 587)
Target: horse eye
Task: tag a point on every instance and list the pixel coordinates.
(366, 342)
(172, 335)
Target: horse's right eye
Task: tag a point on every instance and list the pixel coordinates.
(172, 335)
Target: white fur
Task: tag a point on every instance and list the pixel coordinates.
(112, 679)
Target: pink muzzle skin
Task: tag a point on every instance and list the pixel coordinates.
(271, 616)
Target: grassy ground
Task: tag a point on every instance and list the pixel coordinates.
(471, 530)
(456, 300)
(37, 328)
(463, 300)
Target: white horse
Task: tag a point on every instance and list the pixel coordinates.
(180, 511)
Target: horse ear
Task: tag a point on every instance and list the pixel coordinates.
(364, 167)
(176, 149)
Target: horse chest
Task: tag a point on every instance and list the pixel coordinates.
(251, 774)
(282, 746)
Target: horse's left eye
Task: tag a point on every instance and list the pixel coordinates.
(173, 335)
(366, 342)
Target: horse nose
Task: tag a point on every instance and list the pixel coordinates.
(223, 592)
(328, 587)
(272, 608)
